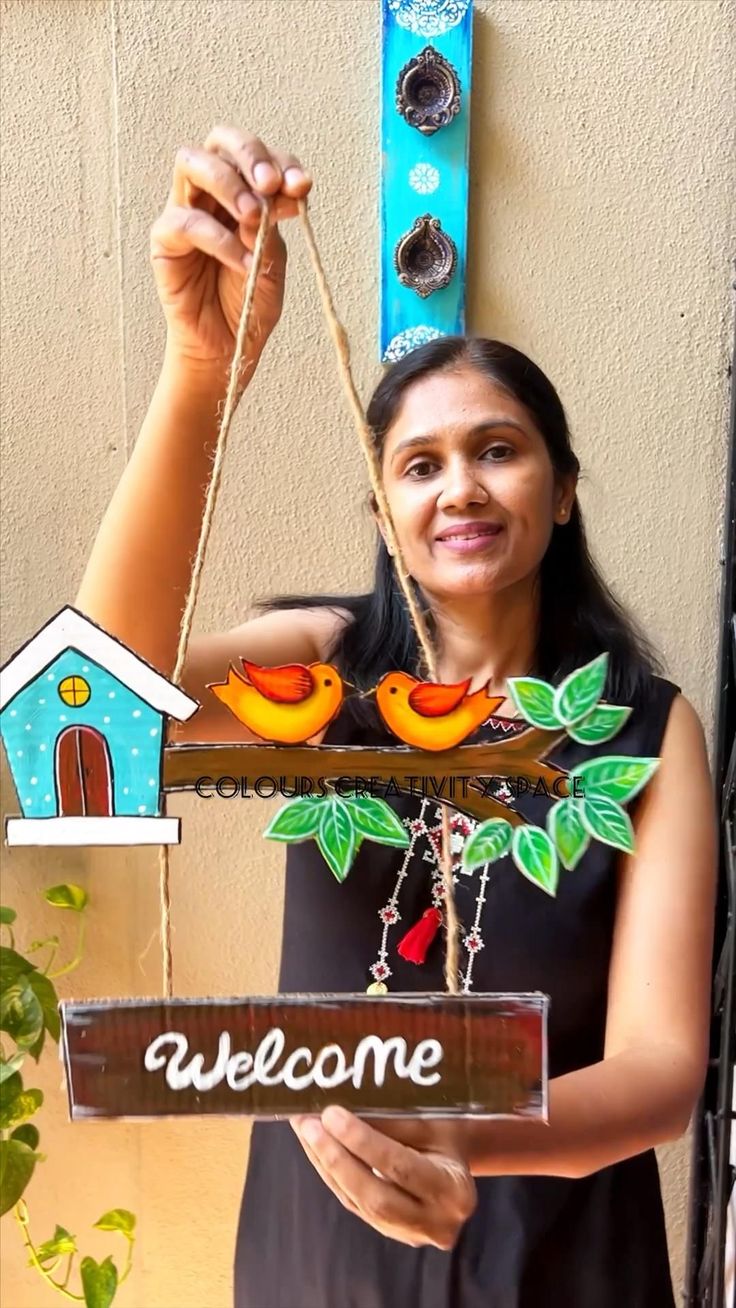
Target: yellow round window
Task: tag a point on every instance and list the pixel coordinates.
(74, 691)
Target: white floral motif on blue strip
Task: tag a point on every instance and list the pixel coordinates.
(409, 340)
(424, 178)
(428, 17)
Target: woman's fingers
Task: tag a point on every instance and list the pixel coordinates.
(267, 171)
(405, 1167)
(322, 1171)
(236, 171)
(252, 157)
(354, 1183)
(201, 171)
(180, 230)
(297, 181)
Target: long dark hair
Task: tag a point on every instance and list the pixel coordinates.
(579, 617)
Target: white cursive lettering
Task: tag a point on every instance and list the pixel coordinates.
(373, 1059)
(326, 1080)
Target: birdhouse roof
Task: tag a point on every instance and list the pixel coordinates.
(71, 628)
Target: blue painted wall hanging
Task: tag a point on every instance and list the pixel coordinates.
(425, 131)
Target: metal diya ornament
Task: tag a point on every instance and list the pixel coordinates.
(425, 258)
(428, 92)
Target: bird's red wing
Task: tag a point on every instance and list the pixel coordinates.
(432, 699)
(286, 685)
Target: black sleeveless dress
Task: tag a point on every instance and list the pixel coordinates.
(534, 1241)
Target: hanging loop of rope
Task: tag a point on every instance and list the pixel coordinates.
(339, 338)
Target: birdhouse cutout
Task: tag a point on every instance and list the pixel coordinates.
(82, 720)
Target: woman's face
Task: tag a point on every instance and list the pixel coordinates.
(461, 457)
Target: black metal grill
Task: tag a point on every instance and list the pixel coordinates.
(712, 1176)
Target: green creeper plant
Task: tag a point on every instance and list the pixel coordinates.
(28, 1014)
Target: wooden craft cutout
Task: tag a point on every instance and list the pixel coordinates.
(337, 823)
(90, 764)
(434, 719)
(430, 715)
(405, 1055)
(286, 704)
(83, 723)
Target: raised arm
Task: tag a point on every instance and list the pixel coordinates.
(137, 577)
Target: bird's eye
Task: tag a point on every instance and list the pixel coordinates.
(328, 681)
(392, 690)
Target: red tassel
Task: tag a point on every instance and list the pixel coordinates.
(418, 938)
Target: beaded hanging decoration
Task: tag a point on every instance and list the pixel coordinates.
(425, 833)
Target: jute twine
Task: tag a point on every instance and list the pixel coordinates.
(342, 350)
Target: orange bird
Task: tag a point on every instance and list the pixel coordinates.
(288, 704)
(429, 714)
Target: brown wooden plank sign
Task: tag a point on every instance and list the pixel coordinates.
(420, 1055)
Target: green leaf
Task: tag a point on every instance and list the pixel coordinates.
(580, 692)
(17, 1162)
(23, 1106)
(489, 841)
(27, 1134)
(7, 916)
(36, 1049)
(297, 820)
(99, 1282)
(535, 701)
(569, 836)
(21, 1014)
(619, 776)
(47, 997)
(12, 965)
(117, 1219)
(603, 723)
(336, 837)
(607, 821)
(9, 1067)
(374, 818)
(9, 1090)
(66, 896)
(35, 945)
(536, 857)
(60, 1243)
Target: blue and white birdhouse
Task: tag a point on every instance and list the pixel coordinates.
(82, 720)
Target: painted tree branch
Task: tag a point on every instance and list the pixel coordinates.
(517, 757)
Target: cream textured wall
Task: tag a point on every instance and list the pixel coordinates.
(602, 181)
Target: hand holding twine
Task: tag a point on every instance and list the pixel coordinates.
(342, 349)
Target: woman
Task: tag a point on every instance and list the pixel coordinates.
(481, 483)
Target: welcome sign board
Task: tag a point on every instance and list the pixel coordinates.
(415, 1055)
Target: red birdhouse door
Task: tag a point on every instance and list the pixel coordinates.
(83, 774)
